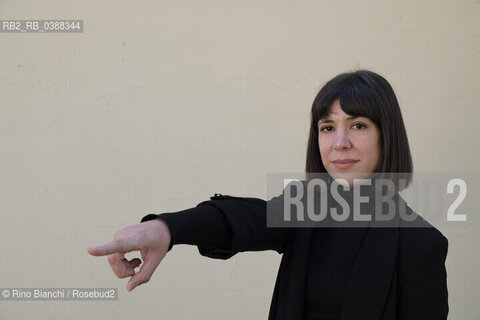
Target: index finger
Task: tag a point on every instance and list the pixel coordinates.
(114, 246)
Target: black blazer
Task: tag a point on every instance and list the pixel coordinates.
(399, 273)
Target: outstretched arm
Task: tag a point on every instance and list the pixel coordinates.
(220, 228)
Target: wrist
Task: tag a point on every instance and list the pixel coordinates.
(162, 230)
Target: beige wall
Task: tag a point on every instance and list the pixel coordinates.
(160, 104)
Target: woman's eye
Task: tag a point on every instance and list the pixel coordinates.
(359, 126)
(326, 129)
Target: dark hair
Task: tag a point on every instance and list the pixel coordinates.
(367, 94)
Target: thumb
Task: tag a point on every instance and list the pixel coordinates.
(145, 273)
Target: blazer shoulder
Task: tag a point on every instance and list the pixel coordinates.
(419, 233)
(416, 240)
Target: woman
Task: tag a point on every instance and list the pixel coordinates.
(326, 273)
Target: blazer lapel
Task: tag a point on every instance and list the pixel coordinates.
(371, 277)
(368, 285)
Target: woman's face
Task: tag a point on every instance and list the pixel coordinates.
(349, 146)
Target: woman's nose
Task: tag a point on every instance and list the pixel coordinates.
(342, 140)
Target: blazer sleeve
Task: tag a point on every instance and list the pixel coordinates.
(226, 225)
(423, 293)
(247, 220)
(203, 226)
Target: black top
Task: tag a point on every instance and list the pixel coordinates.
(332, 256)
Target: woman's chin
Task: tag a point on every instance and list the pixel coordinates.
(351, 178)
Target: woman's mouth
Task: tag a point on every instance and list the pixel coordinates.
(344, 163)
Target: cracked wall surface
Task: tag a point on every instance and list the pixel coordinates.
(158, 105)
